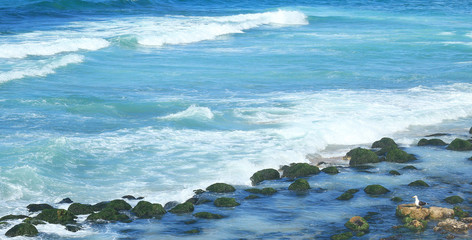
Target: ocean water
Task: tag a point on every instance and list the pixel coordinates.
(104, 98)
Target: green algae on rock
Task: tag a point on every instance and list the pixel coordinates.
(330, 170)
(418, 183)
(80, 209)
(394, 173)
(399, 156)
(119, 205)
(207, 215)
(22, 229)
(299, 185)
(460, 213)
(264, 191)
(220, 188)
(38, 207)
(265, 174)
(183, 208)
(460, 145)
(431, 142)
(296, 170)
(384, 143)
(107, 214)
(146, 209)
(57, 216)
(359, 156)
(342, 236)
(375, 189)
(12, 217)
(226, 202)
(454, 200)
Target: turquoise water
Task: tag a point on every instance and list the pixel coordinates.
(103, 98)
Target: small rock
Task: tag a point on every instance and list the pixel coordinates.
(252, 196)
(220, 188)
(129, 197)
(330, 170)
(57, 216)
(409, 167)
(65, 200)
(394, 173)
(73, 228)
(193, 231)
(454, 200)
(440, 213)
(397, 199)
(38, 207)
(80, 209)
(416, 225)
(108, 214)
(376, 189)
(461, 214)
(119, 205)
(431, 142)
(460, 145)
(399, 156)
(207, 215)
(146, 209)
(226, 202)
(263, 175)
(345, 196)
(182, 208)
(384, 142)
(418, 183)
(357, 224)
(12, 217)
(359, 156)
(300, 170)
(342, 236)
(22, 229)
(451, 225)
(199, 191)
(299, 185)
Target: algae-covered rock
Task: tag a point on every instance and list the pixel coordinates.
(459, 145)
(300, 170)
(57, 216)
(22, 229)
(352, 191)
(38, 207)
(119, 205)
(359, 156)
(431, 142)
(107, 214)
(397, 199)
(384, 143)
(376, 189)
(415, 225)
(470, 130)
(207, 215)
(399, 156)
(226, 202)
(330, 170)
(410, 210)
(146, 209)
(252, 196)
(460, 213)
(73, 228)
(299, 185)
(264, 191)
(454, 200)
(345, 196)
(34, 221)
(100, 206)
(183, 208)
(12, 217)
(394, 173)
(65, 200)
(357, 224)
(80, 209)
(452, 225)
(418, 183)
(220, 188)
(409, 167)
(266, 174)
(342, 236)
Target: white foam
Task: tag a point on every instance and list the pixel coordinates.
(40, 68)
(192, 112)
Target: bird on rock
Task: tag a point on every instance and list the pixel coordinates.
(418, 203)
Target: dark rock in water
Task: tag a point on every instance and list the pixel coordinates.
(299, 185)
(394, 237)
(168, 206)
(65, 200)
(409, 167)
(415, 225)
(193, 200)
(107, 214)
(412, 212)
(418, 183)
(146, 209)
(460, 145)
(199, 191)
(38, 207)
(357, 224)
(399, 156)
(394, 172)
(193, 231)
(431, 142)
(330, 170)
(57, 216)
(300, 170)
(384, 151)
(252, 196)
(192, 221)
(202, 201)
(266, 174)
(384, 143)
(182, 208)
(100, 206)
(352, 191)
(264, 191)
(226, 202)
(129, 197)
(376, 189)
(22, 229)
(359, 156)
(438, 135)
(452, 225)
(207, 215)
(470, 130)
(34, 221)
(458, 212)
(345, 196)
(119, 205)
(80, 209)
(342, 236)
(12, 217)
(397, 199)
(454, 200)
(220, 188)
(73, 228)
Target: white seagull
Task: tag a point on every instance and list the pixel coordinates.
(419, 203)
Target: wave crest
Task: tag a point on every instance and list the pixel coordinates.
(192, 112)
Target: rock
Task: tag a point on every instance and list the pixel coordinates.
(168, 206)
(252, 196)
(460, 145)
(461, 214)
(220, 188)
(357, 224)
(345, 196)
(452, 225)
(38, 207)
(352, 191)
(410, 210)
(438, 135)
(454, 200)
(129, 197)
(418, 183)
(394, 173)
(330, 170)
(182, 208)
(384, 142)
(299, 185)
(467, 219)
(119, 205)
(207, 215)
(146, 209)
(80, 209)
(342, 236)
(199, 191)
(226, 202)
(264, 191)
(65, 200)
(431, 142)
(100, 206)
(297, 170)
(57, 216)
(436, 213)
(376, 189)
(22, 229)
(409, 167)
(107, 214)
(73, 228)
(34, 221)
(415, 225)
(193, 231)
(397, 199)
(12, 217)
(359, 156)
(266, 174)
(192, 200)
(399, 156)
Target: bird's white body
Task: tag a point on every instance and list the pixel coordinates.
(418, 203)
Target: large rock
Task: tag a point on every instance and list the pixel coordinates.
(461, 214)
(357, 224)
(452, 225)
(12, 217)
(146, 209)
(266, 174)
(431, 142)
(107, 214)
(376, 189)
(299, 185)
(440, 213)
(226, 202)
(296, 170)
(359, 156)
(22, 229)
(384, 143)
(399, 156)
(460, 145)
(220, 188)
(57, 216)
(80, 209)
(38, 207)
(435, 213)
(183, 208)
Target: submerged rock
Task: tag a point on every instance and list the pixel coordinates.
(384, 142)
(359, 156)
(460, 145)
(80, 209)
(357, 224)
(226, 202)
(397, 199)
(330, 170)
(38, 207)
(409, 167)
(183, 208)
(454, 200)
(264, 191)
(431, 142)
(345, 196)
(100, 206)
(107, 214)
(296, 170)
(57, 216)
(399, 156)
(146, 209)
(266, 174)
(299, 185)
(22, 229)
(394, 173)
(342, 236)
(376, 189)
(192, 231)
(220, 188)
(418, 183)
(252, 196)
(207, 215)
(452, 225)
(34, 221)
